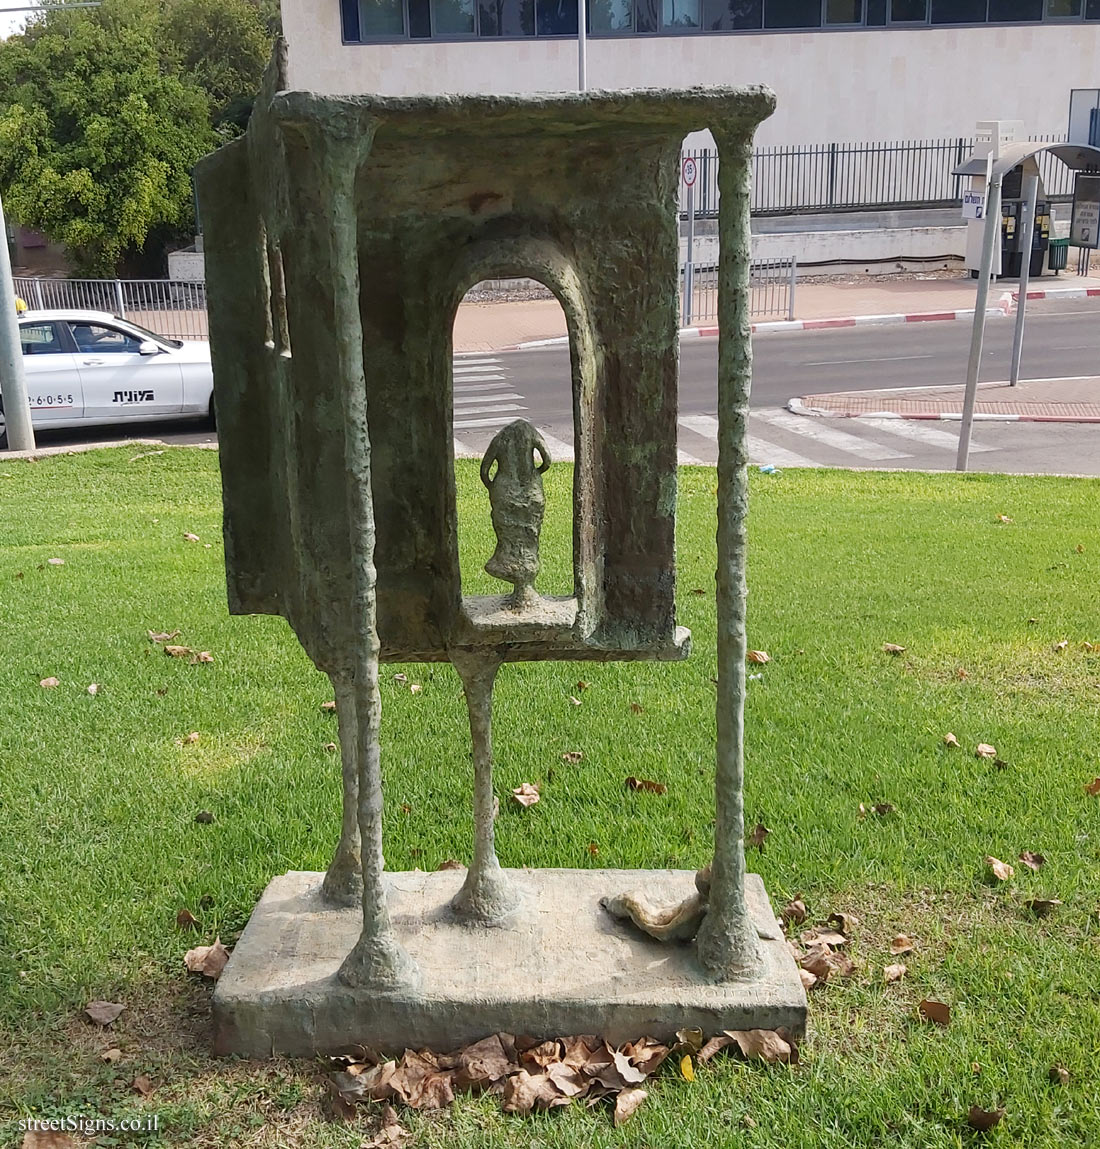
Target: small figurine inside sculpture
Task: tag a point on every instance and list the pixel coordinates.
(517, 503)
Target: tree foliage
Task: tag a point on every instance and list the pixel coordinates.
(104, 111)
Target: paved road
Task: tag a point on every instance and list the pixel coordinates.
(1063, 339)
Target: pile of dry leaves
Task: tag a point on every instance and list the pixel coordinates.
(528, 1074)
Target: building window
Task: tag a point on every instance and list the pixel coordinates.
(381, 19)
(507, 17)
(958, 11)
(792, 13)
(843, 11)
(908, 11)
(610, 15)
(1015, 11)
(556, 17)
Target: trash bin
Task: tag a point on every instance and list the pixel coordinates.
(1059, 253)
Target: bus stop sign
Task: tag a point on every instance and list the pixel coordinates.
(1084, 229)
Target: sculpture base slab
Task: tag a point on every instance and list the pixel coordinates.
(562, 965)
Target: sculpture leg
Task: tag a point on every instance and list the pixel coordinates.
(487, 896)
(727, 942)
(343, 885)
(378, 961)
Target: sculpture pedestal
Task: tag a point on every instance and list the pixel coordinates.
(563, 966)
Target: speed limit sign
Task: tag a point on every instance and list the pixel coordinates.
(691, 170)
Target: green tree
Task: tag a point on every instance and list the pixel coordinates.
(97, 140)
(222, 46)
(104, 111)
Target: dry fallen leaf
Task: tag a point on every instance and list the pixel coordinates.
(186, 920)
(646, 784)
(716, 1044)
(894, 972)
(593, 849)
(1060, 646)
(949, 739)
(902, 944)
(103, 1012)
(1093, 787)
(204, 817)
(1080, 548)
(893, 648)
(573, 757)
(142, 1084)
(1031, 860)
(984, 750)
(983, 1119)
(627, 1104)
(190, 739)
(766, 1044)
(415, 688)
(1003, 519)
(203, 656)
(635, 708)
(1040, 907)
(883, 808)
(111, 1056)
(162, 635)
(687, 1070)
(391, 1135)
(207, 960)
(527, 793)
(93, 688)
(821, 937)
(793, 913)
(330, 747)
(846, 923)
(50, 683)
(191, 538)
(757, 836)
(935, 1011)
(56, 562)
(450, 864)
(47, 1138)
(809, 980)
(1002, 871)
(574, 701)
(581, 686)
(177, 651)
(1058, 1075)
(328, 707)
(759, 656)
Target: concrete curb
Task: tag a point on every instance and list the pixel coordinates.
(798, 406)
(1003, 306)
(1060, 293)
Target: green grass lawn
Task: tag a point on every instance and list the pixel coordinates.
(100, 848)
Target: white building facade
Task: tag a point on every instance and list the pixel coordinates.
(843, 70)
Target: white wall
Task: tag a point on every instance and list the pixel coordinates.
(870, 84)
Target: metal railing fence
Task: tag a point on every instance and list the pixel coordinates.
(172, 307)
(772, 289)
(845, 177)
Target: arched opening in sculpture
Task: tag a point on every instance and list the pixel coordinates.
(513, 412)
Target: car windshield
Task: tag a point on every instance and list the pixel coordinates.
(153, 335)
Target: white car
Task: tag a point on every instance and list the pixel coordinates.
(87, 367)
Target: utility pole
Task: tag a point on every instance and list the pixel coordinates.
(13, 386)
(977, 334)
(582, 46)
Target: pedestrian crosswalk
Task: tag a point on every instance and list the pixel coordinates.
(485, 400)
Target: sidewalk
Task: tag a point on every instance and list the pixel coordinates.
(1031, 401)
(481, 327)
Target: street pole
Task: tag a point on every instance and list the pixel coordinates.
(1031, 195)
(977, 335)
(13, 386)
(689, 261)
(582, 46)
